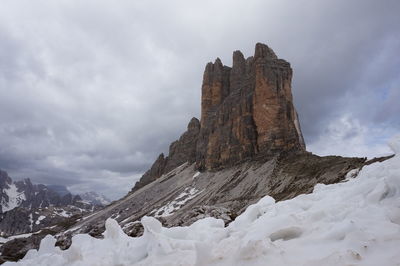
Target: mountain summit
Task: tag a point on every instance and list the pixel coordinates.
(247, 112)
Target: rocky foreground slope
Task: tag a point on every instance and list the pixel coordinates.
(248, 144)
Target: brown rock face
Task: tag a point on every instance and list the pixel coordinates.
(246, 111)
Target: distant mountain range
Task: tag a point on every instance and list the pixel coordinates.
(23, 193)
(27, 207)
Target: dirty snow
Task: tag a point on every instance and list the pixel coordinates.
(352, 174)
(168, 209)
(351, 223)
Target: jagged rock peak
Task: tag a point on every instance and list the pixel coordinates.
(247, 111)
(238, 60)
(194, 124)
(218, 63)
(263, 51)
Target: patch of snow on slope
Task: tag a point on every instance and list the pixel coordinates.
(196, 175)
(31, 221)
(168, 209)
(351, 223)
(63, 213)
(40, 218)
(15, 198)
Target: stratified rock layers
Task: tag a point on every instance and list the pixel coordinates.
(247, 111)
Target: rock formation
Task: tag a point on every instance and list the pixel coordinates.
(247, 111)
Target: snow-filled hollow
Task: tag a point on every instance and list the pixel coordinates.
(356, 222)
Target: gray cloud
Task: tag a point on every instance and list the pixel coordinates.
(91, 92)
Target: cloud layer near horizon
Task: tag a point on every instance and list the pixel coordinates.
(91, 92)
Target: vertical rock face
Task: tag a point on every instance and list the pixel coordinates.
(247, 111)
(184, 149)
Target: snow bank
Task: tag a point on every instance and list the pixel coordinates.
(351, 223)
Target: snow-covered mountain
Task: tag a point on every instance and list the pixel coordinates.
(95, 198)
(10, 196)
(356, 222)
(27, 207)
(23, 193)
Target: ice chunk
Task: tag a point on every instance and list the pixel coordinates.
(113, 230)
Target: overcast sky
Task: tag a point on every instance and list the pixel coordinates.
(92, 91)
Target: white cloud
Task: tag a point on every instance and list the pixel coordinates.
(346, 136)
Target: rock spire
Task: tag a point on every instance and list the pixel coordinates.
(247, 111)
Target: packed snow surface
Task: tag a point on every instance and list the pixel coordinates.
(351, 223)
